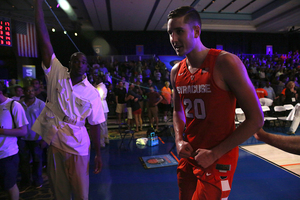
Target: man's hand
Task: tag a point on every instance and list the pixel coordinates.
(205, 157)
(260, 134)
(98, 165)
(184, 149)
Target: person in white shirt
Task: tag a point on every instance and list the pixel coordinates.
(71, 100)
(30, 145)
(101, 87)
(13, 124)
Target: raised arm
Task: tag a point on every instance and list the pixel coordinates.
(42, 33)
(184, 149)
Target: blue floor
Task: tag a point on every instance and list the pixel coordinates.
(123, 177)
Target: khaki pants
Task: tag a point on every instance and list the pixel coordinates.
(68, 174)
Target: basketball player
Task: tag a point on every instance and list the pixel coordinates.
(206, 85)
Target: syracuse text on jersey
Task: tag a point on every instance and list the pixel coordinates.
(192, 89)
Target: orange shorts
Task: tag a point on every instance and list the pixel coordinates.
(211, 183)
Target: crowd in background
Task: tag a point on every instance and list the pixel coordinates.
(273, 73)
(270, 72)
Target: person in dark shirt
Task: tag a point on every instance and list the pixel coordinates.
(135, 106)
(40, 94)
(154, 98)
(120, 100)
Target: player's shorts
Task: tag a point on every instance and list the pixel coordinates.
(213, 182)
(9, 171)
(129, 112)
(121, 108)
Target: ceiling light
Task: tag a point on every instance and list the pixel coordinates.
(53, 30)
(65, 32)
(75, 34)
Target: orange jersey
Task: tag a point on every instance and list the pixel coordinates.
(209, 110)
(261, 93)
(166, 92)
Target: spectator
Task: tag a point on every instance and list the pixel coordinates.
(146, 74)
(103, 126)
(18, 92)
(270, 91)
(166, 102)
(136, 109)
(154, 98)
(42, 95)
(290, 95)
(30, 145)
(120, 101)
(13, 124)
(11, 88)
(157, 75)
(111, 100)
(261, 93)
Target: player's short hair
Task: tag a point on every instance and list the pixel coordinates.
(189, 13)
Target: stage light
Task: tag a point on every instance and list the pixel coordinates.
(68, 9)
(53, 30)
(75, 34)
(65, 32)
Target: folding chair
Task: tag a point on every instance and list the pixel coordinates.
(123, 133)
(239, 116)
(282, 113)
(267, 118)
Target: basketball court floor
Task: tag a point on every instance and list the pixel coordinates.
(263, 173)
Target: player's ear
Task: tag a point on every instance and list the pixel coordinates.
(197, 31)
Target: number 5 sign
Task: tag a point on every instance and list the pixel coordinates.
(29, 71)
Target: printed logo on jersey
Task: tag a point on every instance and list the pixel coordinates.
(194, 89)
(180, 74)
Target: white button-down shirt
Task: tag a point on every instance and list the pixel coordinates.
(79, 102)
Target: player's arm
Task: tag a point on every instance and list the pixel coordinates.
(17, 132)
(235, 77)
(95, 135)
(42, 34)
(289, 144)
(184, 149)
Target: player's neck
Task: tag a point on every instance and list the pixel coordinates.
(196, 57)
